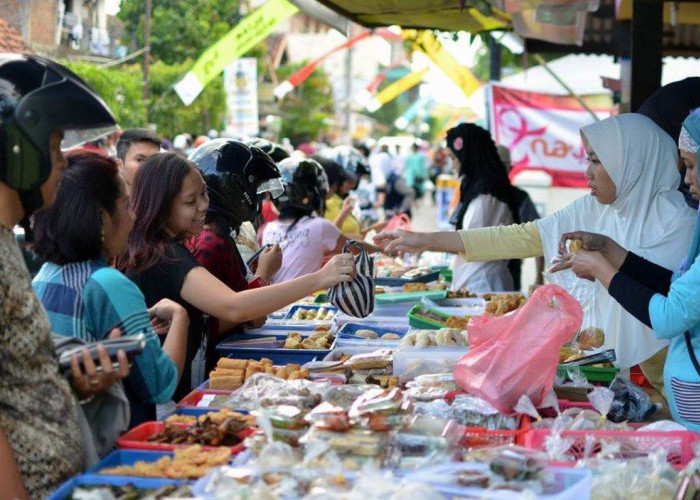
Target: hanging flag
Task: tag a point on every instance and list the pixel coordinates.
(297, 78)
(395, 89)
(424, 41)
(252, 28)
(410, 114)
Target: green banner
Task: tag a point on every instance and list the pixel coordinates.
(252, 28)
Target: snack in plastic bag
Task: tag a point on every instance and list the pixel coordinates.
(510, 356)
(472, 411)
(263, 390)
(327, 416)
(631, 402)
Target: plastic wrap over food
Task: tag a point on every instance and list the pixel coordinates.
(262, 390)
(471, 411)
(631, 402)
(429, 387)
(647, 478)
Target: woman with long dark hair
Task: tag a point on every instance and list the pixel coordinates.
(486, 199)
(88, 225)
(170, 201)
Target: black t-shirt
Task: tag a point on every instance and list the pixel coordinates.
(164, 281)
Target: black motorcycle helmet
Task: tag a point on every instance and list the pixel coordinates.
(37, 97)
(236, 174)
(305, 186)
(273, 150)
(351, 160)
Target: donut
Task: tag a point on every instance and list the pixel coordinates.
(390, 336)
(409, 340)
(368, 334)
(424, 340)
(450, 337)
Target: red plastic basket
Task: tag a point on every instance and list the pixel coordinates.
(137, 439)
(193, 398)
(678, 444)
(478, 437)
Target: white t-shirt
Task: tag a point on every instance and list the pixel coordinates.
(493, 276)
(303, 247)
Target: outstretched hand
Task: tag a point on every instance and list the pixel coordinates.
(400, 241)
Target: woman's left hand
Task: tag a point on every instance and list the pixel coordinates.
(87, 381)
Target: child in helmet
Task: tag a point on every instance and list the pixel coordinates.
(302, 233)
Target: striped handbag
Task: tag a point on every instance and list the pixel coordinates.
(356, 297)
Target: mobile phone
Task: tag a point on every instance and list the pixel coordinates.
(254, 258)
(132, 345)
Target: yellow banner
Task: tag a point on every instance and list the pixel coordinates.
(395, 89)
(252, 28)
(426, 42)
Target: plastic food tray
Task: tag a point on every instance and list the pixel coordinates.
(409, 362)
(678, 444)
(200, 399)
(349, 329)
(380, 319)
(573, 484)
(422, 322)
(66, 488)
(399, 297)
(289, 318)
(273, 351)
(425, 278)
(126, 457)
(595, 373)
(137, 439)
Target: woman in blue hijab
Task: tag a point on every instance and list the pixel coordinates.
(665, 301)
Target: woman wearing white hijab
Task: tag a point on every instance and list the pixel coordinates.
(662, 300)
(633, 178)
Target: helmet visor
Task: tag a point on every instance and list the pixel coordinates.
(272, 186)
(77, 137)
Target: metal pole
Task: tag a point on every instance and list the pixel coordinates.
(494, 59)
(146, 56)
(348, 94)
(540, 60)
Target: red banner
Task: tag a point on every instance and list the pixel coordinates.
(541, 131)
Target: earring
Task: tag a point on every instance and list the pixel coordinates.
(102, 234)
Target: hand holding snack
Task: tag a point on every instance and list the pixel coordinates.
(400, 241)
(582, 240)
(269, 262)
(340, 268)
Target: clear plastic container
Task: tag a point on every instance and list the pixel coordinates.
(565, 483)
(414, 361)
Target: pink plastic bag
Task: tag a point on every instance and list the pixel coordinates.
(518, 353)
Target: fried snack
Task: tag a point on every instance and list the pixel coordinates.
(372, 360)
(292, 343)
(226, 382)
(451, 337)
(368, 334)
(424, 339)
(414, 287)
(591, 338)
(457, 322)
(188, 463)
(462, 293)
(568, 353)
(235, 364)
(500, 304)
(293, 366)
(224, 372)
(390, 336)
(322, 328)
(575, 245)
(437, 286)
(308, 344)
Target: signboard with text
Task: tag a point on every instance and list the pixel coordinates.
(241, 86)
(541, 131)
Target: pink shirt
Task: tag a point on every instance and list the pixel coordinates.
(303, 247)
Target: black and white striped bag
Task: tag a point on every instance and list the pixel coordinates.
(356, 297)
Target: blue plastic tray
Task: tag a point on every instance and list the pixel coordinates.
(126, 457)
(348, 330)
(88, 479)
(290, 314)
(426, 278)
(272, 351)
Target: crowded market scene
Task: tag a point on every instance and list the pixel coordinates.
(321, 249)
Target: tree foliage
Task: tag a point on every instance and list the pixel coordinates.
(308, 110)
(121, 88)
(180, 29)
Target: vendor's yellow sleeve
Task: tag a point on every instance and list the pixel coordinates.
(516, 241)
